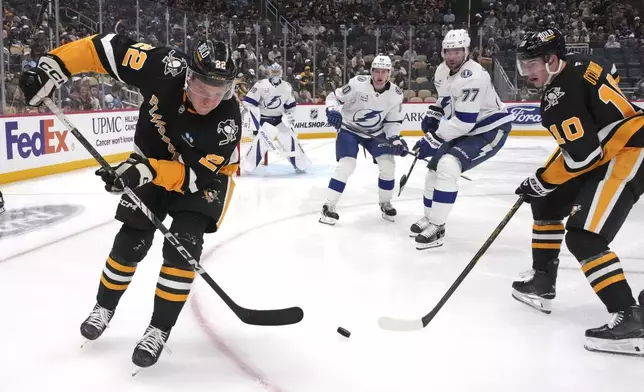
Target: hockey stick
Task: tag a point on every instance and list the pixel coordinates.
(394, 324)
(405, 177)
(249, 316)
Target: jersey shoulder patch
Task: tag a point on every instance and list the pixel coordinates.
(398, 90)
(346, 89)
(361, 78)
(174, 63)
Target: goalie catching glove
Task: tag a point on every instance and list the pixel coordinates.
(133, 173)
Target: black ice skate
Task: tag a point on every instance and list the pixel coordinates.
(623, 334)
(94, 325)
(431, 237)
(537, 289)
(1, 203)
(388, 211)
(148, 350)
(418, 227)
(329, 216)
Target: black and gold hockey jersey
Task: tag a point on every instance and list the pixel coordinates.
(189, 151)
(590, 118)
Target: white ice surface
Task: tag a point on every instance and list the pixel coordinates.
(272, 252)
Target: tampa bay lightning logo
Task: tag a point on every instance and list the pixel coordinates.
(367, 118)
(274, 103)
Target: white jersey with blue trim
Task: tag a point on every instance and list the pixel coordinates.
(272, 100)
(469, 101)
(365, 111)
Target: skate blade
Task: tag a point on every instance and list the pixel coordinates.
(135, 370)
(535, 302)
(435, 244)
(328, 221)
(632, 347)
(388, 218)
(85, 343)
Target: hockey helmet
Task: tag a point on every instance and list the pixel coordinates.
(275, 73)
(455, 39)
(540, 44)
(381, 62)
(212, 65)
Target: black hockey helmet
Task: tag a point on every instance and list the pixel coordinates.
(541, 43)
(212, 64)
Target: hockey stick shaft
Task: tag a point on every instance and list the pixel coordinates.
(405, 177)
(249, 316)
(475, 259)
(416, 324)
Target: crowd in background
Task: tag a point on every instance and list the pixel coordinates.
(314, 54)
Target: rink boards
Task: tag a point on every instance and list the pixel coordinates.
(36, 145)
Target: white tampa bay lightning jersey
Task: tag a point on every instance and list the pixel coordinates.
(469, 101)
(366, 111)
(272, 100)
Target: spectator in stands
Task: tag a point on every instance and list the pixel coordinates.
(612, 43)
(639, 90)
(274, 55)
(306, 80)
(410, 55)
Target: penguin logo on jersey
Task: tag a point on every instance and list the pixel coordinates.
(174, 65)
(274, 103)
(228, 129)
(367, 118)
(552, 97)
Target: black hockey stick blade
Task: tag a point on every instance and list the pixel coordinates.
(274, 317)
(248, 316)
(394, 324)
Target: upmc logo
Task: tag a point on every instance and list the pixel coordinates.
(43, 141)
(526, 114)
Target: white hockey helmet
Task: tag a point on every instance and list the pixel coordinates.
(275, 73)
(455, 39)
(381, 62)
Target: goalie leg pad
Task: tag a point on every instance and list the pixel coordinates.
(386, 178)
(290, 144)
(262, 143)
(343, 171)
(448, 171)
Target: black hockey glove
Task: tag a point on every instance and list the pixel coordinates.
(133, 173)
(534, 187)
(40, 82)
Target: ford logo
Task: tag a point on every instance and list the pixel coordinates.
(526, 114)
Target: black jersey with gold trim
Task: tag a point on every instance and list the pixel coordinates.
(590, 118)
(188, 150)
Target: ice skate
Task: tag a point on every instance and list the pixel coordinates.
(418, 227)
(96, 323)
(329, 216)
(431, 237)
(623, 334)
(537, 288)
(388, 211)
(149, 348)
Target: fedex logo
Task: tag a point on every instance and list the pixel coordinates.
(44, 141)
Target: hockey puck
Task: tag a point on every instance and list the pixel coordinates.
(344, 332)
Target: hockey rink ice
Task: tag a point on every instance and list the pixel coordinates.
(271, 252)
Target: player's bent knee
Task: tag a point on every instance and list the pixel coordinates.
(131, 245)
(346, 167)
(448, 168)
(387, 166)
(430, 179)
(585, 244)
(189, 228)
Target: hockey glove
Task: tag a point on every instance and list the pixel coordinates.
(427, 146)
(398, 146)
(40, 82)
(133, 173)
(534, 187)
(432, 118)
(334, 117)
